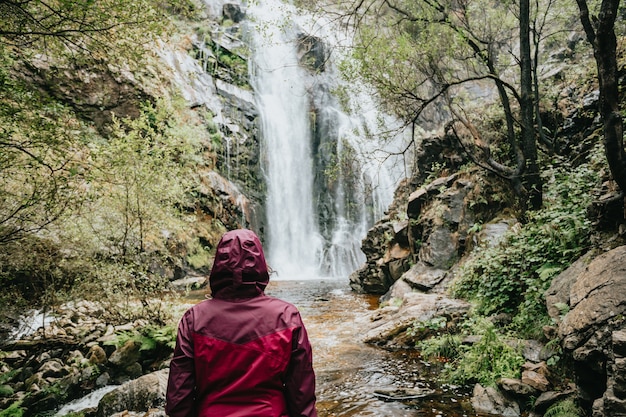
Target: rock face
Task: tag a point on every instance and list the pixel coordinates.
(427, 231)
(587, 302)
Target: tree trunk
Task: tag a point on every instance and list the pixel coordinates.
(531, 177)
(604, 42)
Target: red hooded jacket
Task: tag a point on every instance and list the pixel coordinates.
(241, 353)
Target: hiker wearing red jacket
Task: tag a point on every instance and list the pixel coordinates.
(241, 353)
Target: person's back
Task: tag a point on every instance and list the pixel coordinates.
(241, 353)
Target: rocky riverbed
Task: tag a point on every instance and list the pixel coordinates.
(364, 363)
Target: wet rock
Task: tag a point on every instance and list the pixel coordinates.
(312, 53)
(126, 354)
(233, 12)
(140, 394)
(415, 307)
(490, 401)
(403, 394)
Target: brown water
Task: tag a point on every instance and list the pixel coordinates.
(350, 371)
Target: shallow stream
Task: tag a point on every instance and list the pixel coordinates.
(350, 372)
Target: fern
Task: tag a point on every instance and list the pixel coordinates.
(565, 408)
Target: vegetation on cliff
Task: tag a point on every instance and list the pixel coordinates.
(99, 156)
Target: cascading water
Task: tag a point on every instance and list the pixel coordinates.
(294, 240)
(325, 187)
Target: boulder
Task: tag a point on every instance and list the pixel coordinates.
(490, 401)
(312, 53)
(423, 277)
(415, 307)
(140, 394)
(516, 387)
(126, 354)
(440, 250)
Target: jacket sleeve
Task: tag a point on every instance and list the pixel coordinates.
(300, 378)
(180, 397)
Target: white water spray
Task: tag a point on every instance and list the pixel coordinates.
(294, 241)
(285, 95)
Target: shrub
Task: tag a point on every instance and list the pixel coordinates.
(512, 277)
(485, 361)
(565, 408)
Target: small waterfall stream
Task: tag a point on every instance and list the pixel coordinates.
(326, 185)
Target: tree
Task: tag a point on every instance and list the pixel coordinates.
(600, 31)
(39, 136)
(77, 25)
(422, 54)
(38, 169)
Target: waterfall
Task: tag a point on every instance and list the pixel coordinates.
(326, 185)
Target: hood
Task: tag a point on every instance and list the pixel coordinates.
(239, 269)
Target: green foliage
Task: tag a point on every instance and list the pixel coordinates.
(565, 408)
(485, 361)
(6, 391)
(14, 410)
(139, 181)
(445, 347)
(149, 337)
(7, 376)
(513, 276)
(37, 164)
(126, 292)
(89, 27)
(198, 256)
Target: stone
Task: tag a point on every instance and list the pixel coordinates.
(53, 368)
(96, 355)
(396, 292)
(396, 252)
(141, 394)
(535, 380)
(126, 354)
(536, 351)
(618, 340)
(597, 294)
(312, 53)
(492, 233)
(423, 277)
(516, 386)
(490, 401)
(396, 268)
(233, 12)
(536, 375)
(415, 307)
(558, 295)
(619, 378)
(548, 398)
(416, 200)
(440, 249)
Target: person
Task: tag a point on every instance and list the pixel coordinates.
(241, 353)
